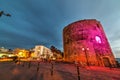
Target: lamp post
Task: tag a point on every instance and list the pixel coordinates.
(86, 55)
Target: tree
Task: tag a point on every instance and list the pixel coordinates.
(56, 52)
(2, 13)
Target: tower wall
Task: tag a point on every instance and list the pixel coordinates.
(85, 41)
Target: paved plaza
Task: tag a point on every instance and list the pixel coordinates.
(56, 71)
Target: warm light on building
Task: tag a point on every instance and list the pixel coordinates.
(84, 41)
(32, 55)
(22, 53)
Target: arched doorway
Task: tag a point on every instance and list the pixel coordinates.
(106, 62)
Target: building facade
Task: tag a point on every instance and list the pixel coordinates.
(42, 52)
(85, 41)
(21, 53)
(2, 49)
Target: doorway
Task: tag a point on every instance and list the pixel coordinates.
(106, 62)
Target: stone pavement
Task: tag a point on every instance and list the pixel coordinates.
(61, 71)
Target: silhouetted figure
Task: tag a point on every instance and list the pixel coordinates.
(2, 13)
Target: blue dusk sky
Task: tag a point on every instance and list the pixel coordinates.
(40, 22)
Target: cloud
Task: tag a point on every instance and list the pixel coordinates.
(42, 21)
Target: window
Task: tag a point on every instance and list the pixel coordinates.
(98, 39)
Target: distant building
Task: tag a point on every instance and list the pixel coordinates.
(2, 49)
(21, 53)
(42, 52)
(85, 41)
(118, 59)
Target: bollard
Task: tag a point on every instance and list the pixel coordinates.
(16, 61)
(78, 72)
(37, 69)
(51, 69)
(23, 64)
(29, 64)
(38, 66)
(19, 61)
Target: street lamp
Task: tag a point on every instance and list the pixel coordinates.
(86, 55)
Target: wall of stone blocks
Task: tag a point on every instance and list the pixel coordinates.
(85, 41)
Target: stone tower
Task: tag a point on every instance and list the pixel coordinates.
(85, 41)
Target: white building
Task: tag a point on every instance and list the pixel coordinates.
(42, 52)
(2, 49)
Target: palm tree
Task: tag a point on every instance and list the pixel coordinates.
(2, 13)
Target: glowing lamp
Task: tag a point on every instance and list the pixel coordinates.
(20, 53)
(85, 49)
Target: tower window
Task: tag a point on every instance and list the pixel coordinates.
(98, 39)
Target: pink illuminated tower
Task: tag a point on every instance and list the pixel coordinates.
(85, 42)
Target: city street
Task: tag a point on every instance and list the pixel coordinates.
(56, 71)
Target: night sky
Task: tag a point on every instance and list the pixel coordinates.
(40, 22)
